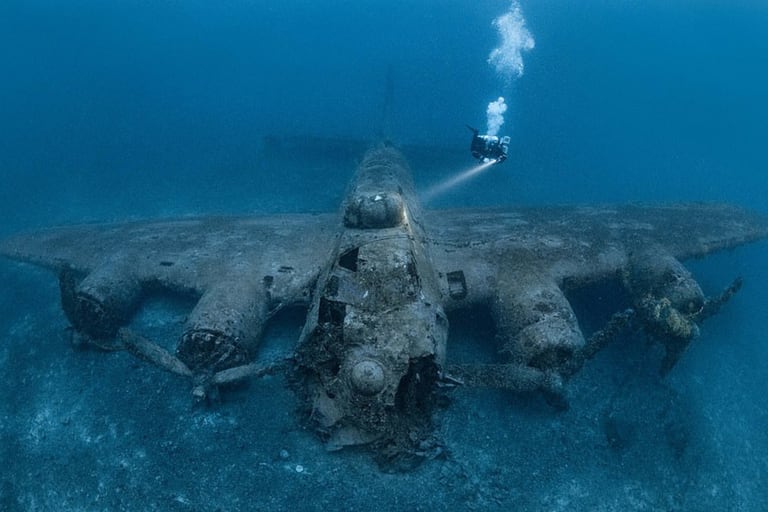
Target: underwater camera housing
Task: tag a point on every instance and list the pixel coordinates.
(487, 148)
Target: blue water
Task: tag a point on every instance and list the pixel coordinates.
(135, 109)
(627, 101)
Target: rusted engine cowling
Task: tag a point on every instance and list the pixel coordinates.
(223, 329)
(536, 324)
(103, 301)
(659, 274)
(667, 298)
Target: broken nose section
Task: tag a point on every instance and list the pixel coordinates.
(367, 377)
(223, 329)
(379, 398)
(370, 376)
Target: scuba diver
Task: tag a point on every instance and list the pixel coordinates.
(487, 148)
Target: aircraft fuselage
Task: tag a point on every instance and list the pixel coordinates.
(376, 332)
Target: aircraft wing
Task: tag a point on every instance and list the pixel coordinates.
(189, 255)
(574, 245)
(520, 262)
(566, 245)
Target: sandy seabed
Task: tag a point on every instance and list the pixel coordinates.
(87, 430)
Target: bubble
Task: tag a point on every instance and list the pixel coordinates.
(507, 58)
(495, 115)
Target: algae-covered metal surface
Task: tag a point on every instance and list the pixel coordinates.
(377, 281)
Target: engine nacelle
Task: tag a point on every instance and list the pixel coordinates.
(224, 327)
(668, 299)
(103, 301)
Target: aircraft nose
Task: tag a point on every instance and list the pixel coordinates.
(367, 377)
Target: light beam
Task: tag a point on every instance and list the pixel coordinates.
(454, 181)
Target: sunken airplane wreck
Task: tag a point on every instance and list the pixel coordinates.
(378, 280)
